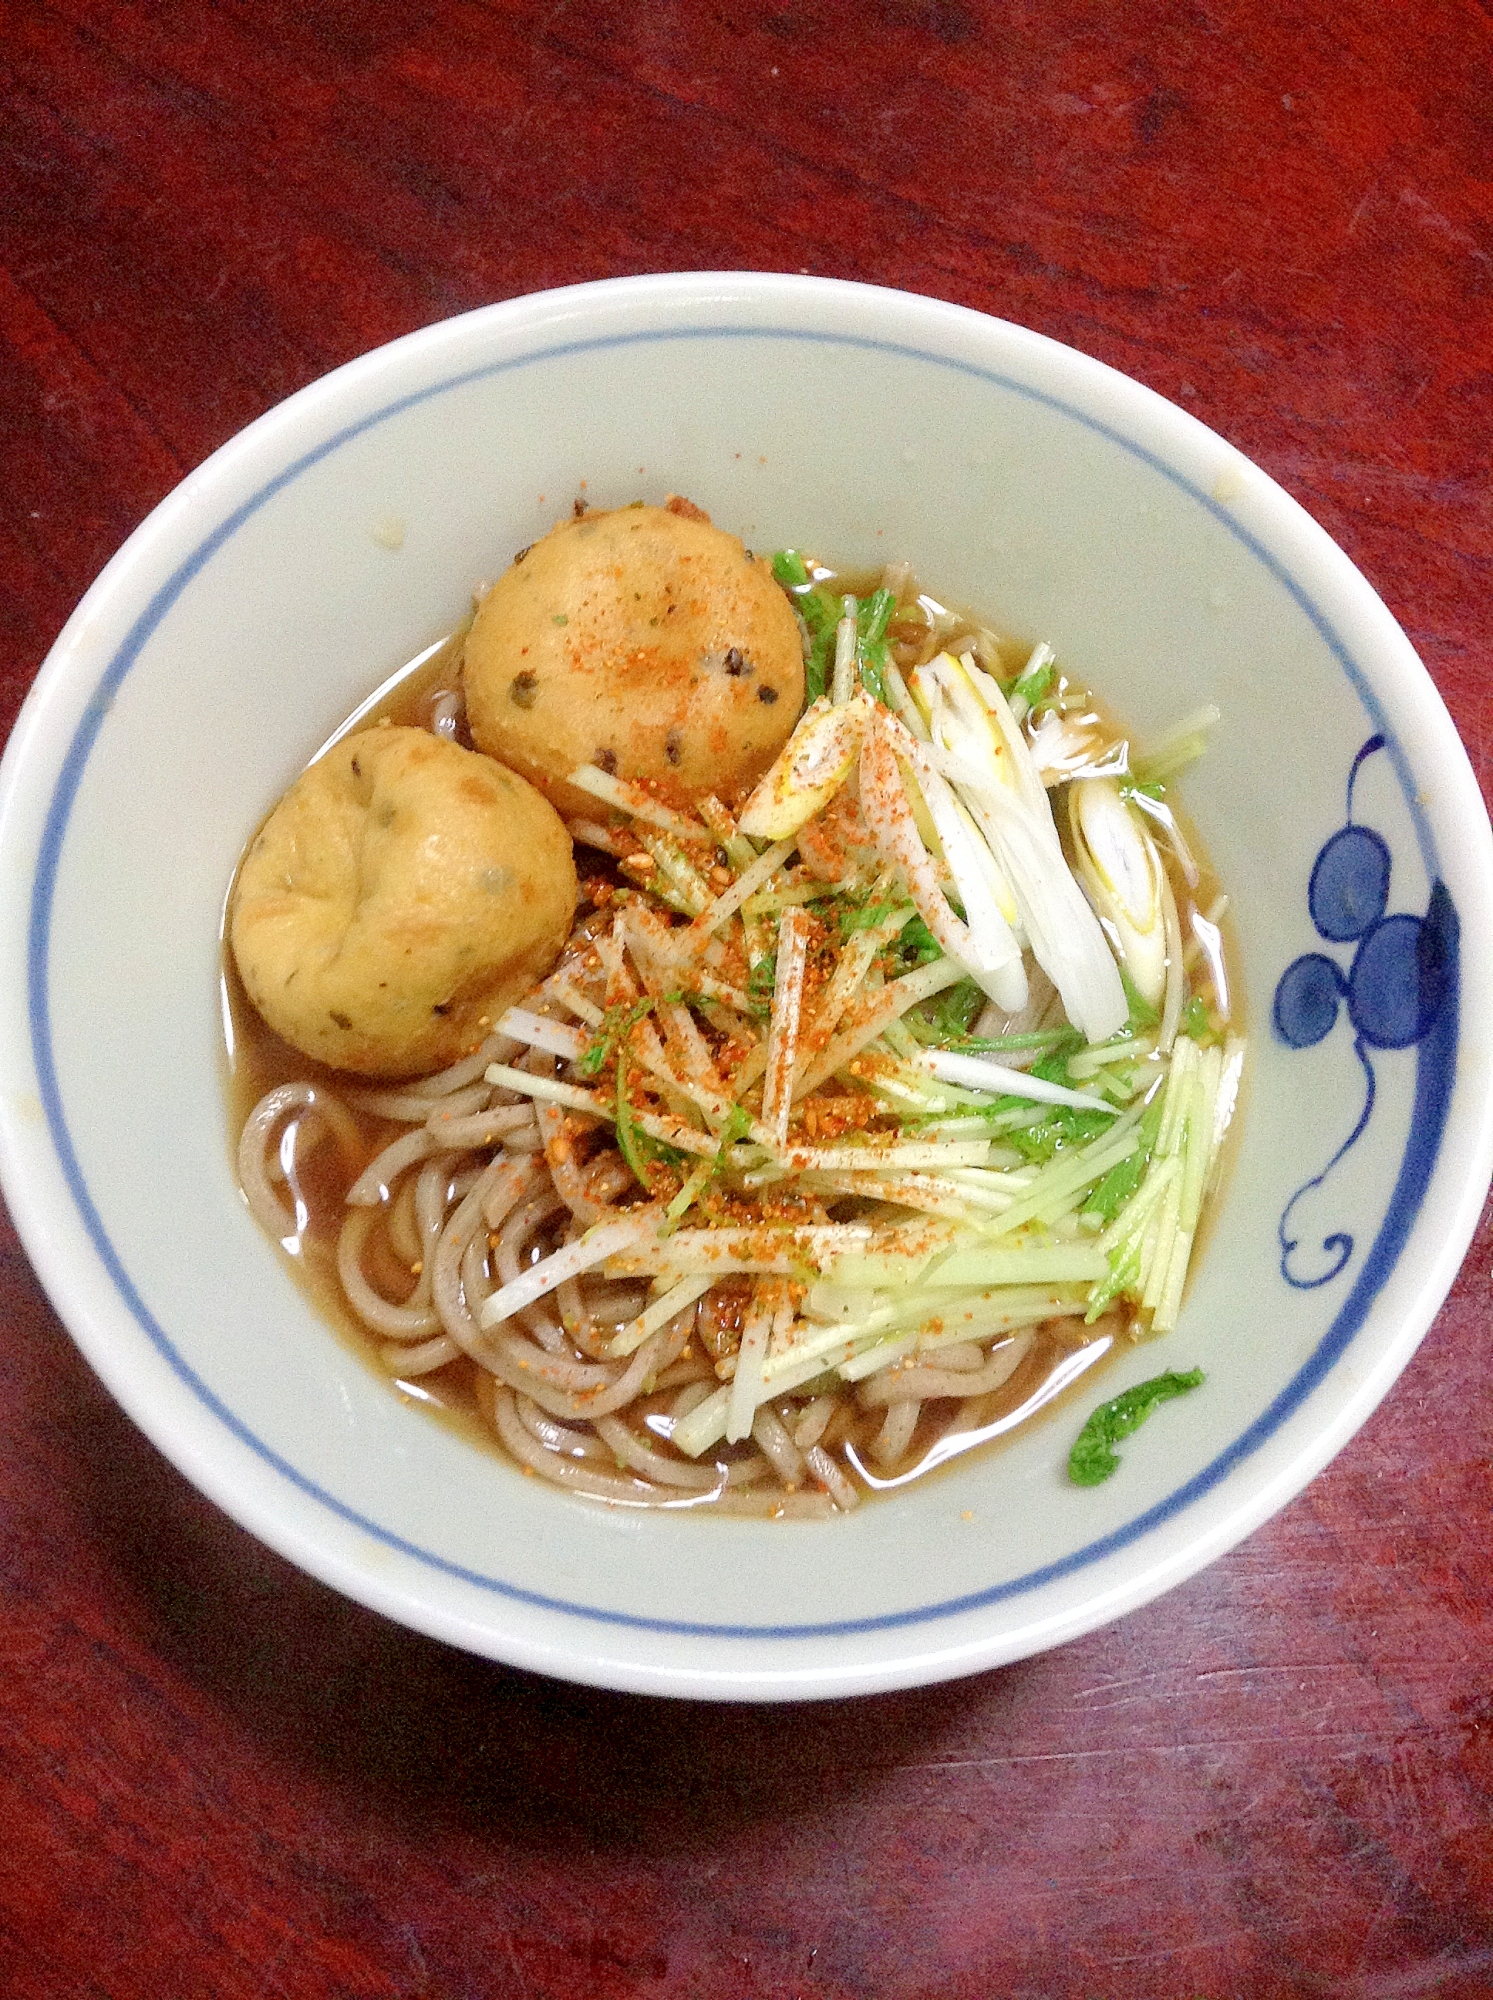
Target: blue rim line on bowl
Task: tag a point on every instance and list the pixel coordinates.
(1436, 1053)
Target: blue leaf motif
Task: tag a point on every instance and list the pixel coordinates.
(1394, 989)
(1350, 884)
(1307, 1000)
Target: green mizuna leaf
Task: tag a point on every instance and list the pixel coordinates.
(1093, 1458)
(616, 1025)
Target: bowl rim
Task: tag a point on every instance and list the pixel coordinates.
(569, 308)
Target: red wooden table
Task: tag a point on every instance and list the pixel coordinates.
(218, 1779)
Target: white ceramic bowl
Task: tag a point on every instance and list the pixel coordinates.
(343, 532)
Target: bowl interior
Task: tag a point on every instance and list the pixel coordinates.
(346, 531)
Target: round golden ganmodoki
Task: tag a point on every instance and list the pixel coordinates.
(644, 641)
(398, 898)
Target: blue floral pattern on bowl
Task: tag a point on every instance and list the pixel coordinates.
(1395, 989)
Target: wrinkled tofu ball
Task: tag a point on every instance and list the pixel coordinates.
(398, 898)
(645, 641)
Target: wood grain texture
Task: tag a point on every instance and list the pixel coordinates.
(218, 1779)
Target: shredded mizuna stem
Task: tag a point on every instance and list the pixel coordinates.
(782, 1033)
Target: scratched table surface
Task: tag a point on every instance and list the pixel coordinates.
(219, 1779)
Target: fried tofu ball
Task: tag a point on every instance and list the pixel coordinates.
(645, 641)
(398, 898)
